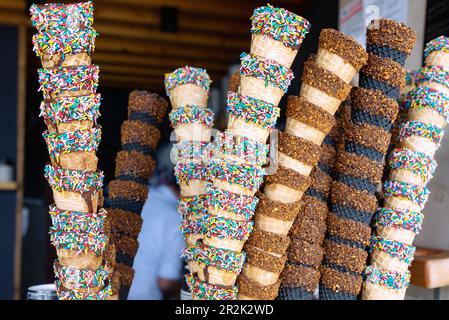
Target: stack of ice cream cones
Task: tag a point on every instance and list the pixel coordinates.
(301, 275)
(359, 165)
(64, 43)
(128, 192)
(192, 121)
(411, 166)
(239, 153)
(310, 117)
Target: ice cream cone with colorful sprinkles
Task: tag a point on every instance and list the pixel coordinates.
(65, 48)
(188, 89)
(251, 117)
(188, 86)
(391, 255)
(55, 17)
(73, 81)
(400, 225)
(411, 167)
(74, 189)
(263, 79)
(437, 52)
(217, 266)
(68, 114)
(383, 284)
(202, 290)
(434, 77)
(427, 105)
(74, 150)
(277, 34)
(80, 240)
(65, 35)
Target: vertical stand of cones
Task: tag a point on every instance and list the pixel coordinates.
(238, 154)
(70, 109)
(301, 273)
(411, 166)
(128, 192)
(310, 117)
(192, 121)
(359, 165)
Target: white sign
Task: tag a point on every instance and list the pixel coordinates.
(355, 15)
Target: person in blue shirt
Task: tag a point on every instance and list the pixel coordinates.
(158, 264)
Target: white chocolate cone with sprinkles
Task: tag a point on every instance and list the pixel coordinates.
(188, 86)
(65, 42)
(384, 284)
(81, 45)
(437, 53)
(268, 37)
(69, 114)
(188, 89)
(73, 81)
(263, 79)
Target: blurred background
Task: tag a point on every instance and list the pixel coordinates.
(140, 41)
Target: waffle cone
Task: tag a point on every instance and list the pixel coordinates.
(269, 48)
(420, 144)
(229, 244)
(235, 158)
(335, 64)
(194, 267)
(57, 60)
(436, 86)
(74, 201)
(373, 291)
(320, 98)
(192, 239)
(247, 129)
(269, 224)
(217, 212)
(193, 188)
(438, 58)
(81, 160)
(407, 176)
(80, 261)
(114, 297)
(383, 260)
(84, 290)
(83, 92)
(281, 193)
(233, 188)
(188, 94)
(396, 234)
(401, 203)
(301, 130)
(72, 126)
(193, 132)
(259, 275)
(243, 297)
(407, 89)
(298, 166)
(256, 88)
(427, 116)
(215, 276)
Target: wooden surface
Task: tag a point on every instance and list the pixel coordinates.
(20, 162)
(8, 186)
(430, 268)
(211, 34)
